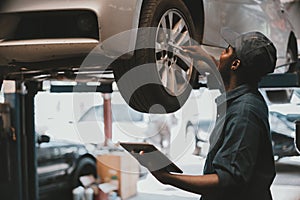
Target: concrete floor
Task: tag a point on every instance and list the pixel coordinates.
(286, 185)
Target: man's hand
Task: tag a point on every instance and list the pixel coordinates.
(198, 53)
(161, 176)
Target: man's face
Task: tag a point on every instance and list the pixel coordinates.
(226, 59)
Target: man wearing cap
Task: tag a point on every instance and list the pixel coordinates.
(240, 164)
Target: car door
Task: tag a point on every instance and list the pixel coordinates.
(51, 164)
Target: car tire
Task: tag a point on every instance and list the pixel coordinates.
(86, 166)
(144, 89)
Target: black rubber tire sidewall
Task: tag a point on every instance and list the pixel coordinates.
(85, 166)
(141, 100)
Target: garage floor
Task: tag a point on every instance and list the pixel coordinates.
(286, 185)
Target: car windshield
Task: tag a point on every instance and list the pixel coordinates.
(120, 113)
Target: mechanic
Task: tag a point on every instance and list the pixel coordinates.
(240, 164)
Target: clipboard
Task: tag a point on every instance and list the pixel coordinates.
(150, 157)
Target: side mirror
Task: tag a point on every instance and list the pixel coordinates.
(297, 135)
(43, 139)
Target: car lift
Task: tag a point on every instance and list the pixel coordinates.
(18, 166)
(18, 179)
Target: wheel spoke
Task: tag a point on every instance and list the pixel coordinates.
(160, 65)
(176, 67)
(170, 17)
(172, 82)
(178, 28)
(186, 67)
(181, 74)
(164, 24)
(162, 35)
(181, 81)
(184, 38)
(184, 60)
(164, 75)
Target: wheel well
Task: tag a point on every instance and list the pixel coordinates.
(294, 47)
(81, 167)
(197, 12)
(89, 156)
(293, 43)
(86, 156)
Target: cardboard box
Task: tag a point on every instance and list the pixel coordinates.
(124, 167)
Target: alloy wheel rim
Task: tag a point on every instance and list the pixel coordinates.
(174, 69)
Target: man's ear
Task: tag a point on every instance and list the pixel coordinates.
(235, 64)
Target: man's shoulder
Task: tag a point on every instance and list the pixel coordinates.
(252, 102)
(251, 98)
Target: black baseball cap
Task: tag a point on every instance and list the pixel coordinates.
(253, 49)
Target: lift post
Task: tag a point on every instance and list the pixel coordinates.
(107, 118)
(21, 183)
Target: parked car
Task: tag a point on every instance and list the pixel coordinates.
(127, 124)
(282, 127)
(60, 164)
(51, 39)
(283, 134)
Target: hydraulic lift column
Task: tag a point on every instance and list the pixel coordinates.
(21, 182)
(107, 112)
